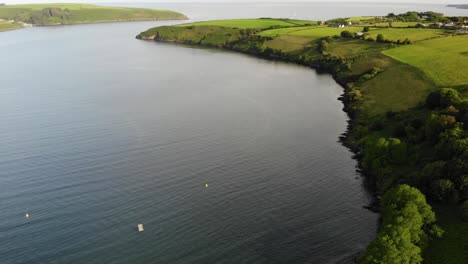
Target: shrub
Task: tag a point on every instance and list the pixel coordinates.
(380, 38)
(441, 189)
(444, 98)
(449, 96)
(347, 34)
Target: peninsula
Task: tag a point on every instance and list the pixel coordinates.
(18, 16)
(405, 80)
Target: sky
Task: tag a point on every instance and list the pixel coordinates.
(218, 1)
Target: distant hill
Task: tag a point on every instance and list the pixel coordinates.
(459, 6)
(62, 14)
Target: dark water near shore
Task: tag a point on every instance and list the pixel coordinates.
(101, 132)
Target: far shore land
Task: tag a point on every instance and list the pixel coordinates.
(20, 16)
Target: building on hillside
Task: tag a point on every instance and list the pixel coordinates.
(339, 25)
(449, 25)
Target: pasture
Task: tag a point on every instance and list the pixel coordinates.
(444, 60)
(413, 34)
(5, 25)
(253, 23)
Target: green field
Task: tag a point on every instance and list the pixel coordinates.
(253, 23)
(288, 43)
(444, 60)
(313, 32)
(360, 18)
(5, 26)
(54, 14)
(413, 34)
(452, 248)
(399, 87)
(394, 24)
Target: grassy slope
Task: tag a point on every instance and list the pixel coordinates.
(252, 23)
(452, 248)
(413, 34)
(409, 74)
(399, 87)
(445, 60)
(5, 26)
(312, 32)
(81, 13)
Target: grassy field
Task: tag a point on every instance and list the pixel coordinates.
(444, 60)
(313, 32)
(413, 34)
(253, 23)
(354, 47)
(288, 43)
(5, 25)
(399, 87)
(452, 248)
(53, 14)
(360, 18)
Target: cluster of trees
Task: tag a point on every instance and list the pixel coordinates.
(446, 177)
(379, 38)
(416, 16)
(435, 140)
(426, 17)
(249, 31)
(408, 224)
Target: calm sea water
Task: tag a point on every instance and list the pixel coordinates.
(101, 132)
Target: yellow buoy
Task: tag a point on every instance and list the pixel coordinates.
(206, 185)
(27, 215)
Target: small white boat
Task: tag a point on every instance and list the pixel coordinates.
(140, 228)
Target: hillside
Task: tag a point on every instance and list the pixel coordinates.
(62, 14)
(7, 25)
(406, 92)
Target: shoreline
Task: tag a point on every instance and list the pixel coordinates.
(96, 22)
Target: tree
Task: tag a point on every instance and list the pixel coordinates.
(449, 96)
(380, 38)
(323, 46)
(432, 171)
(407, 221)
(441, 189)
(436, 124)
(347, 34)
(365, 29)
(444, 98)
